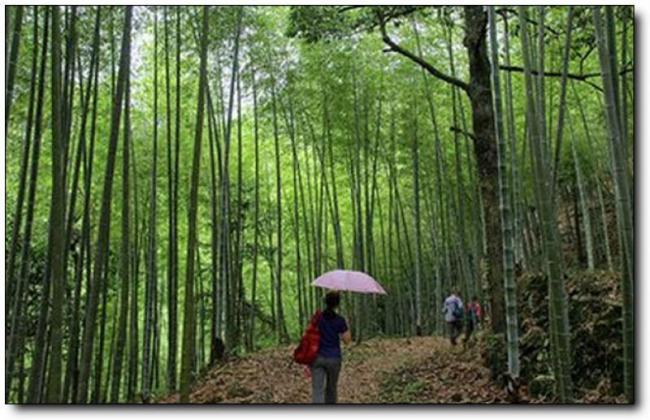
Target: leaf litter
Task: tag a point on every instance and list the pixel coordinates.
(377, 371)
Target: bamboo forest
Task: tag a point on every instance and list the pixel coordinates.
(183, 181)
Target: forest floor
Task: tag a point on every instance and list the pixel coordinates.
(377, 371)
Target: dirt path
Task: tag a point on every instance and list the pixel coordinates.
(396, 370)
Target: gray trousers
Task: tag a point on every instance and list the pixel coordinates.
(324, 379)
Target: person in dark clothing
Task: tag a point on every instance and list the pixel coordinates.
(473, 318)
(325, 369)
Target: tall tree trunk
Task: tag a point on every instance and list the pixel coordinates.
(152, 250)
(417, 223)
(514, 169)
(101, 251)
(15, 286)
(39, 348)
(338, 237)
(171, 266)
(584, 202)
(217, 308)
(622, 191)
(467, 275)
(68, 87)
(226, 258)
(239, 295)
(603, 222)
(281, 327)
(189, 313)
(563, 89)
(125, 256)
(132, 376)
(86, 153)
(12, 65)
(624, 110)
(486, 153)
(57, 218)
(512, 329)
(173, 169)
(558, 305)
(256, 213)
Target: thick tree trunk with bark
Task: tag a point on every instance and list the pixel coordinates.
(480, 94)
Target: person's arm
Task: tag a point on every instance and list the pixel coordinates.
(346, 336)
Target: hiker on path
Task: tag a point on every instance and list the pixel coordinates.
(473, 317)
(325, 369)
(453, 310)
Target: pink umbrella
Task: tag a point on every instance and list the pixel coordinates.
(353, 281)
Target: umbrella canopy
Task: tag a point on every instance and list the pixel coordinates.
(353, 281)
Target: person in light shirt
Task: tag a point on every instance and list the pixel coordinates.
(453, 309)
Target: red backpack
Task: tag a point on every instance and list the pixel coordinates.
(307, 350)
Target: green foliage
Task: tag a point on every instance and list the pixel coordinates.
(495, 354)
(328, 66)
(316, 23)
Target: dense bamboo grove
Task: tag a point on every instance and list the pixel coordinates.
(177, 177)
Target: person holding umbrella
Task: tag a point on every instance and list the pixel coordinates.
(325, 369)
(333, 328)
